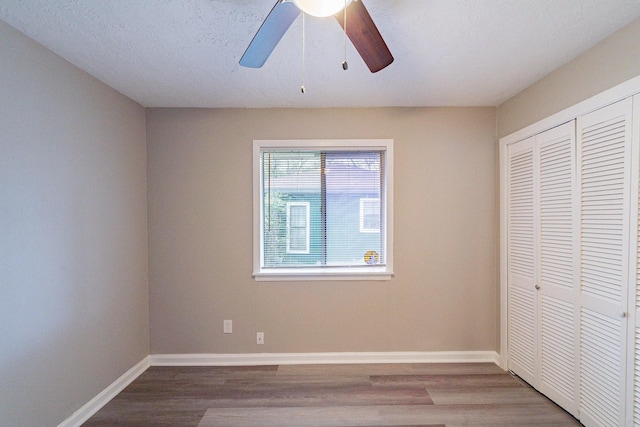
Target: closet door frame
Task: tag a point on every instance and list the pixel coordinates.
(633, 325)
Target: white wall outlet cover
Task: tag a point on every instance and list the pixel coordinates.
(227, 327)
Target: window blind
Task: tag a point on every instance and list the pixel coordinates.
(322, 208)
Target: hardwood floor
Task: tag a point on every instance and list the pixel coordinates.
(331, 395)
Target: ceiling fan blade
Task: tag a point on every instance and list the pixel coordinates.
(269, 34)
(366, 38)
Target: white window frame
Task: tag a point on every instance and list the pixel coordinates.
(307, 227)
(363, 203)
(372, 272)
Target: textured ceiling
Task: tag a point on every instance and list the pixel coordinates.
(184, 53)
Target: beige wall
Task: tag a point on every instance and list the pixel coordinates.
(73, 241)
(443, 296)
(611, 62)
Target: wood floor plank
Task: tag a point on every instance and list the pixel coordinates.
(446, 381)
(454, 369)
(352, 416)
(344, 416)
(348, 369)
(338, 396)
(540, 414)
(484, 396)
(293, 381)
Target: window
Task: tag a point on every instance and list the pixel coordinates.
(323, 209)
(369, 215)
(298, 227)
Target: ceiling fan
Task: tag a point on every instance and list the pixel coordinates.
(355, 21)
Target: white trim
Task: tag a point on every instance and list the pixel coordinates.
(632, 311)
(252, 359)
(372, 272)
(383, 272)
(323, 144)
(95, 404)
(609, 96)
(504, 355)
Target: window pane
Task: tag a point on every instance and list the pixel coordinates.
(298, 240)
(350, 177)
(322, 208)
(291, 208)
(298, 216)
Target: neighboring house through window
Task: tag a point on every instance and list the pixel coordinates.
(323, 209)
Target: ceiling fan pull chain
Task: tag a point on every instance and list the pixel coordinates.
(302, 88)
(345, 65)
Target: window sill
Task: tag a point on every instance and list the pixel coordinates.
(294, 274)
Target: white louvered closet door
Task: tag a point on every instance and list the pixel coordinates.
(558, 268)
(522, 310)
(604, 155)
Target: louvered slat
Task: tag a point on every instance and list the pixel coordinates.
(556, 212)
(521, 214)
(521, 331)
(521, 246)
(602, 176)
(601, 368)
(558, 360)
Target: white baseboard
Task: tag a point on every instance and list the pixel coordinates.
(322, 358)
(94, 405)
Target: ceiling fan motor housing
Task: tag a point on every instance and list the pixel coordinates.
(321, 8)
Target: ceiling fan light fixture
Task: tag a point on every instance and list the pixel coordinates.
(321, 8)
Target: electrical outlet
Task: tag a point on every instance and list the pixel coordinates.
(227, 326)
(260, 337)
